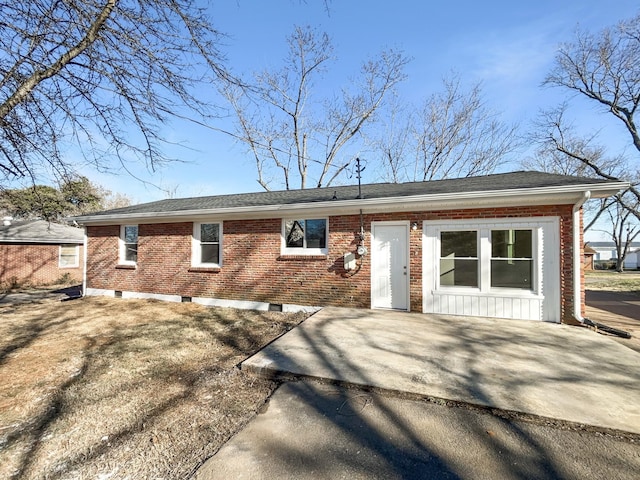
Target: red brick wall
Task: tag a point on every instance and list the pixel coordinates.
(254, 270)
(34, 264)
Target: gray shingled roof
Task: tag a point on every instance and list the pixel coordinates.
(497, 182)
(40, 231)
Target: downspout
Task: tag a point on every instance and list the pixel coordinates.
(577, 258)
(84, 267)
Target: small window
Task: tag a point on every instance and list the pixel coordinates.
(512, 259)
(129, 244)
(69, 256)
(207, 240)
(459, 258)
(305, 236)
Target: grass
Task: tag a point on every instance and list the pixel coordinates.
(112, 388)
(613, 281)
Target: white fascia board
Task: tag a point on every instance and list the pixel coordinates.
(37, 240)
(555, 195)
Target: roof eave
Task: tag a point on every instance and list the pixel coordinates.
(523, 196)
(56, 241)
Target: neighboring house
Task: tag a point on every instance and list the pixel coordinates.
(37, 252)
(506, 245)
(589, 254)
(606, 253)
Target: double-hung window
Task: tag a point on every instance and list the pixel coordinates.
(128, 244)
(207, 244)
(305, 236)
(512, 259)
(459, 258)
(69, 256)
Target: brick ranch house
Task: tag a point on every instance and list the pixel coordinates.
(37, 252)
(505, 245)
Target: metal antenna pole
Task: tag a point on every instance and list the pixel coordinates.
(359, 170)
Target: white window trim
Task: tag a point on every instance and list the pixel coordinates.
(483, 227)
(121, 260)
(284, 250)
(478, 258)
(76, 264)
(196, 251)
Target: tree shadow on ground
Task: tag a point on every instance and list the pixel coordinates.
(122, 376)
(408, 452)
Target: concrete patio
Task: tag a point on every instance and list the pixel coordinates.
(556, 371)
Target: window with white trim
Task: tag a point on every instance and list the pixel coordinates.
(69, 256)
(128, 244)
(459, 258)
(207, 244)
(305, 236)
(487, 258)
(512, 259)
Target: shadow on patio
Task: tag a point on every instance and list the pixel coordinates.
(547, 370)
(315, 430)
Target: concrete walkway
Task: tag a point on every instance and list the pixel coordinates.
(548, 370)
(311, 431)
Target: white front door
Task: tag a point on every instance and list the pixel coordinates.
(390, 265)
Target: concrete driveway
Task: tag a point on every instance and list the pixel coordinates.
(548, 370)
(311, 431)
(620, 310)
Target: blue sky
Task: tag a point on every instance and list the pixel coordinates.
(509, 46)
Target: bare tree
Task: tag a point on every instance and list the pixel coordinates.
(393, 140)
(102, 75)
(604, 68)
(562, 150)
(294, 136)
(624, 231)
(452, 134)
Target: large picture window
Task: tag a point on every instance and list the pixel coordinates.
(459, 258)
(207, 241)
(487, 258)
(129, 244)
(305, 236)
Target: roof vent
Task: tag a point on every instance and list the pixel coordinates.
(6, 221)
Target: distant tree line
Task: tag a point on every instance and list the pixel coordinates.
(76, 196)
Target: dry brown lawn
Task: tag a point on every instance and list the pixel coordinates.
(613, 281)
(108, 388)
